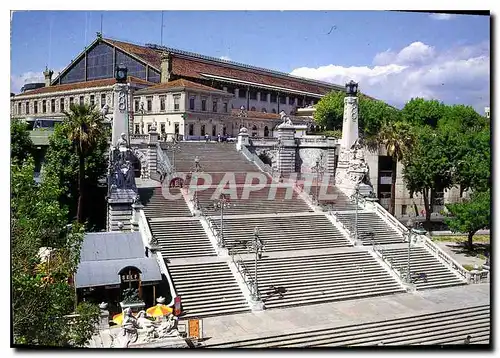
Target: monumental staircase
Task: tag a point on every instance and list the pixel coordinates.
(310, 256)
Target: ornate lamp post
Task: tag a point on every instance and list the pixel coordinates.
(318, 169)
(221, 203)
(173, 148)
(242, 114)
(355, 199)
(196, 169)
(257, 248)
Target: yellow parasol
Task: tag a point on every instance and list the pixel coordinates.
(118, 318)
(159, 310)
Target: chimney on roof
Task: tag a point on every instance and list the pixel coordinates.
(165, 67)
(48, 76)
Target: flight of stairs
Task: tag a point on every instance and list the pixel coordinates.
(370, 222)
(156, 205)
(207, 289)
(181, 238)
(437, 328)
(421, 261)
(321, 278)
(281, 233)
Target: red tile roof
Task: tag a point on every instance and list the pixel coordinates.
(192, 66)
(181, 83)
(81, 85)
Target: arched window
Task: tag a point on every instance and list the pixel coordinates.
(264, 110)
(266, 131)
(252, 109)
(224, 131)
(191, 129)
(274, 110)
(130, 277)
(254, 131)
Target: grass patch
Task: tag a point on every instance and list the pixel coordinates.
(468, 267)
(476, 239)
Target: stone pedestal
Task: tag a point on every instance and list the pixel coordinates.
(134, 221)
(120, 209)
(242, 138)
(120, 112)
(152, 153)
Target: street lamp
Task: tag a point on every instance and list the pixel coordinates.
(242, 114)
(355, 198)
(173, 148)
(319, 169)
(351, 88)
(222, 203)
(409, 225)
(257, 248)
(196, 169)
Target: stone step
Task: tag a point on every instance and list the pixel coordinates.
(433, 328)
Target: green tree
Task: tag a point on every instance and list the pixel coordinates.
(21, 146)
(427, 166)
(371, 113)
(41, 292)
(85, 128)
(419, 111)
(65, 156)
(471, 215)
(398, 139)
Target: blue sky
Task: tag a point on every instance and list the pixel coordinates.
(394, 55)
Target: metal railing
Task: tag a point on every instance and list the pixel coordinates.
(387, 216)
(245, 274)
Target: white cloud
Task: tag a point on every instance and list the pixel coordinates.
(18, 81)
(460, 74)
(441, 16)
(225, 58)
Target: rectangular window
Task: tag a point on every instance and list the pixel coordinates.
(230, 90)
(214, 130)
(214, 106)
(225, 107)
(52, 105)
(176, 128)
(70, 101)
(61, 105)
(103, 99)
(162, 103)
(149, 127)
(299, 102)
(202, 130)
(282, 99)
(136, 105)
(136, 129)
(274, 97)
(35, 107)
(263, 96)
(177, 100)
(191, 103)
(191, 128)
(403, 209)
(242, 93)
(253, 95)
(291, 101)
(19, 108)
(149, 104)
(44, 106)
(27, 108)
(411, 194)
(203, 104)
(81, 100)
(162, 126)
(92, 100)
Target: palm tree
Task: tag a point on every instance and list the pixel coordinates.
(85, 127)
(398, 140)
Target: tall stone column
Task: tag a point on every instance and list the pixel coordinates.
(350, 124)
(120, 112)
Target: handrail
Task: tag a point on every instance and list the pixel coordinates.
(391, 219)
(255, 158)
(243, 271)
(447, 259)
(149, 241)
(163, 161)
